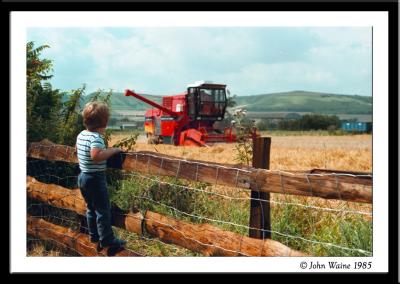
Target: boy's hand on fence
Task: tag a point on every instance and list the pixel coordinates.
(115, 160)
(116, 150)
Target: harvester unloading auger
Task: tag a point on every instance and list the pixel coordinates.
(189, 118)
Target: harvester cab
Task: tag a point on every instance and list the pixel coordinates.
(188, 118)
(206, 101)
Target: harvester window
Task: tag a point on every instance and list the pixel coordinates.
(206, 103)
(212, 102)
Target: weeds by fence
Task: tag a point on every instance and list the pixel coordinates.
(214, 219)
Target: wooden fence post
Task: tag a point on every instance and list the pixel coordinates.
(260, 217)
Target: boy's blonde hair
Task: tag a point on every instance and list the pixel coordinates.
(95, 115)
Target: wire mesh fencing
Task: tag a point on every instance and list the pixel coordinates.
(315, 226)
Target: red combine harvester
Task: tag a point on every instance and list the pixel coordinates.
(189, 118)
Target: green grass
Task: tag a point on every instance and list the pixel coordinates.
(351, 231)
(151, 247)
(36, 247)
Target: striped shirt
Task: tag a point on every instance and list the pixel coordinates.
(85, 142)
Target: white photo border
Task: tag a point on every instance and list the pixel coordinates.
(20, 21)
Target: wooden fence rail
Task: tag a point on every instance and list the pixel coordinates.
(202, 238)
(347, 186)
(70, 240)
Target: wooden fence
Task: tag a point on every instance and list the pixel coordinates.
(203, 238)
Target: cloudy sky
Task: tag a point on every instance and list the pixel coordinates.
(162, 61)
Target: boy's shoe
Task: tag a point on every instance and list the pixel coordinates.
(114, 243)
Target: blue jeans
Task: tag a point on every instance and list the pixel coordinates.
(93, 187)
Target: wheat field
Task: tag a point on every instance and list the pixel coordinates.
(350, 153)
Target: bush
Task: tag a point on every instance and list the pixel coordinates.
(262, 125)
(311, 122)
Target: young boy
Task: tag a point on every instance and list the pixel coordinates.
(92, 155)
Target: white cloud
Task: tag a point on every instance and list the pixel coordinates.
(344, 36)
(278, 77)
(164, 60)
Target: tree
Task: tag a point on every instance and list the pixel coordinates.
(72, 120)
(43, 103)
(231, 101)
(262, 124)
(37, 70)
(47, 115)
(311, 122)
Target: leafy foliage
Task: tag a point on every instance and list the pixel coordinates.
(231, 100)
(102, 96)
(43, 103)
(37, 70)
(244, 146)
(127, 143)
(72, 118)
(311, 122)
(53, 114)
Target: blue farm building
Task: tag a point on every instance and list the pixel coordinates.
(357, 126)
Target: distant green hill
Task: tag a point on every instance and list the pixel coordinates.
(295, 101)
(120, 102)
(302, 101)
